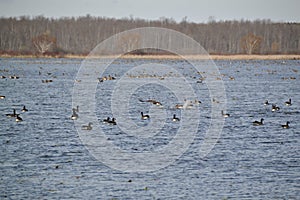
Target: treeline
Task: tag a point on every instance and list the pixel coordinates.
(79, 35)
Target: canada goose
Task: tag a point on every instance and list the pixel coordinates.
(2, 97)
(225, 114)
(154, 102)
(258, 123)
(266, 103)
(2, 77)
(197, 102)
(112, 122)
(14, 77)
(275, 108)
(13, 114)
(76, 109)
(289, 102)
(24, 109)
(157, 103)
(111, 77)
(87, 127)
(144, 116)
(286, 125)
(106, 120)
(74, 115)
(18, 118)
(175, 119)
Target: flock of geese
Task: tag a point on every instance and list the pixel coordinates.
(187, 104)
(15, 115)
(112, 121)
(273, 109)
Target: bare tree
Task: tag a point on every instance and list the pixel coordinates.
(44, 42)
(79, 35)
(129, 42)
(251, 43)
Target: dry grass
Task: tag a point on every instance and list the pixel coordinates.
(214, 57)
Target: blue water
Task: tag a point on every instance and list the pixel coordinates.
(43, 157)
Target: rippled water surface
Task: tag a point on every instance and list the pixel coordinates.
(43, 157)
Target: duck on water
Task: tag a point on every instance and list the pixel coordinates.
(286, 125)
(144, 116)
(175, 119)
(87, 127)
(258, 123)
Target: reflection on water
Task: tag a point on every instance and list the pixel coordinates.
(43, 156)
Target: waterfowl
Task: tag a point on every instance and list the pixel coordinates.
(225, 114)
(14, 77)
(18, 118)
(24, 109)
(258, 123)
(106, 120)
(178, 106)
(76, 109)
(286, 125)
(197, 102)
(13, 114)
(112, 122)
(289, 102)
(275, 108)
(102, 79)
(2, 77)
(2, 97)
(144, 116)
(175, 119)
(266, 103)
(111, 77)
(74, 115)
(187, 104)
(153, 101)
(87, 127)
(157, 103)
(47, 81)
(215, 101)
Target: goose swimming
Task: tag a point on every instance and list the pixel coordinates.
(258, 123)
(144, 116)
(175, 119)
(87, 127)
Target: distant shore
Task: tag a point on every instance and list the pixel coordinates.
(213, 57)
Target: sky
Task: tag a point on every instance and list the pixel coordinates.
(194, 10)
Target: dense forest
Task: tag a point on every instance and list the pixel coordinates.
(79, 35)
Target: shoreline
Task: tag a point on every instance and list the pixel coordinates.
(192, 57)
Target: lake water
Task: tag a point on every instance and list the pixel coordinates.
(44, 157)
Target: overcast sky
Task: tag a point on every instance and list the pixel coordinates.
(194, 10)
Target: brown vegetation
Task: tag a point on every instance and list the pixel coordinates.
(40, 35)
